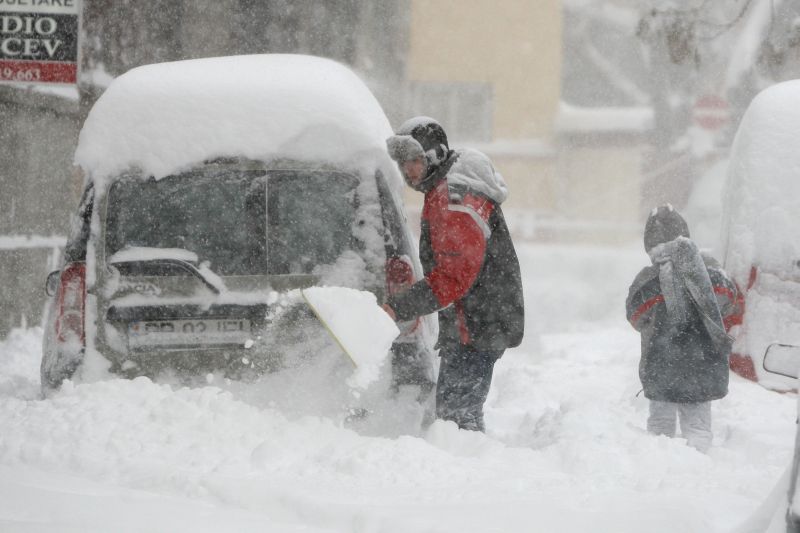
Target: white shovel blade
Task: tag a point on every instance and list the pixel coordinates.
(358, 325)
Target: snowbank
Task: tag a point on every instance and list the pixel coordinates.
(20, 355)
(165, 117)
(566, 449)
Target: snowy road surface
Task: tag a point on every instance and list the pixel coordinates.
(565, 449)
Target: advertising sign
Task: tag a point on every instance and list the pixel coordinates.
(39, 41)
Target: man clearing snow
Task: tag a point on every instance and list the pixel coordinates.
(472, 274)
(678, 304)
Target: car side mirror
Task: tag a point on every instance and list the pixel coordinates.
(51, 285)
(783, 359)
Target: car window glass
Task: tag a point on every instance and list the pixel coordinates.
(310, 220)
(395, 235)
(209, 214)
(221, 216)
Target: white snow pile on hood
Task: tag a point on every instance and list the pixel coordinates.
(761, 200)
(474, 171)
(166, 117)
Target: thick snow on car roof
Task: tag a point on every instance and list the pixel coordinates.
(761, 203)
(165, 117)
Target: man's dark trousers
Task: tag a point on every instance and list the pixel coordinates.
(465, 375)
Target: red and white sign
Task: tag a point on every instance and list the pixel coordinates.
(39, 41)
(711, 112)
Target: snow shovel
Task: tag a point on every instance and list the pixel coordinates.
(362, 330)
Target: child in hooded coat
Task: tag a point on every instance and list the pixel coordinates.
(681, 305)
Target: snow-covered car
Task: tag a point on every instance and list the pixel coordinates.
(761, 230)
(214, 190)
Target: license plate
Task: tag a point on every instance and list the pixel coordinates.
(188, 332)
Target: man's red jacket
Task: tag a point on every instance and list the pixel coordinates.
(472, 274)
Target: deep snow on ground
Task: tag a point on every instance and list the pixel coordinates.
(565, 448)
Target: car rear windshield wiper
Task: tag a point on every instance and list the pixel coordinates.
(144, 261)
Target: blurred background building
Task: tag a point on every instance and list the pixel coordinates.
(593, 110)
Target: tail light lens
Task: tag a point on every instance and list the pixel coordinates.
(399, 274)
(753, 276)
(744, 366)
(71, 305)
(737, 317)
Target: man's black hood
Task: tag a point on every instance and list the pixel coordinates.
(422, 137)
(431, 137)
(435, 174)
(664, 225)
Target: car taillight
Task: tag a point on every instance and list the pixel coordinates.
(744, 366)
(752, 279)
(71, 305)
(399, 274)
(737, 316)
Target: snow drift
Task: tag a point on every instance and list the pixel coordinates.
(566, 448)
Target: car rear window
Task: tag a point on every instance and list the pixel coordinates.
(241, 222)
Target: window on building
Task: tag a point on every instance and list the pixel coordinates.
(463, 108)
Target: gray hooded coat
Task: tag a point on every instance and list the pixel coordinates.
(679, 305)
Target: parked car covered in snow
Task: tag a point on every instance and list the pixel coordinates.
(214, 189)
(761, 230)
